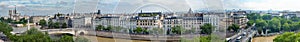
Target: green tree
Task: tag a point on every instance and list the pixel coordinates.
(250, 22)
(207, 28)
(43, 22)
(82, 39)
(1, 19)
(50, 24)
(21, 21)
(267, 17)
(286, 27)
(138, 30)
(32, 35)
(57, 25)
(253, 16)
(157, 31)
(192, 30)
(295, 19)
(295, 26)
(117, 29)
(100, 27)
(9, 20)
(108, 28)
(66, 38)
(234, 27)
(64, 25)
(260, 24)
(274, 25)
(5, 28)
(145, 31)
(177, 30)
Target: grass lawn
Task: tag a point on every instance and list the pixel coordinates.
(264, 39)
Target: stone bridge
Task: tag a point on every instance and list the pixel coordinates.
(66, 31)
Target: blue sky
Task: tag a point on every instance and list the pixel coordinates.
(47, 7)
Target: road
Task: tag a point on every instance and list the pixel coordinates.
(17, 30)
(244, 38)
(249, 36)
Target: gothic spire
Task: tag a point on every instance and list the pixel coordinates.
(190, 11)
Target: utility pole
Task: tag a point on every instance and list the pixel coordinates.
(28, 26)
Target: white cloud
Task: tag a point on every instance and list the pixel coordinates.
(42, 7)
(130, 6)
(109, 1)
(20, 5)
(11, 6)
(127, 6)
(3, 4)
(17, 5)
(232, 4)
(261, 4)
(86, 6)
(196, 4)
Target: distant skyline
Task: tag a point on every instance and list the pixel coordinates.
(48, 7)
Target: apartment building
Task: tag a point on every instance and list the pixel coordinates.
(149, 20)
(240, 18)
(157, 20)
(122, 21)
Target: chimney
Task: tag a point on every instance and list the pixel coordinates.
(141, 11)
(99, 12)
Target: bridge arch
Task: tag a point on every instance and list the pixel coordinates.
(81, 32)
(63, 34)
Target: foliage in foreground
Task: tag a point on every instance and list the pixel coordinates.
(5, 28)
(266, 22)
(82, 39)
(32, 35)
(207, 28)
(233, 27)
(288, 37)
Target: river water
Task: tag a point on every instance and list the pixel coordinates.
(103, 39)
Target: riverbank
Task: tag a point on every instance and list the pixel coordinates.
(104, 39)
(145, 37)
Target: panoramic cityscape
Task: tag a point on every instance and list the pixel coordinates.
(149, 21)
